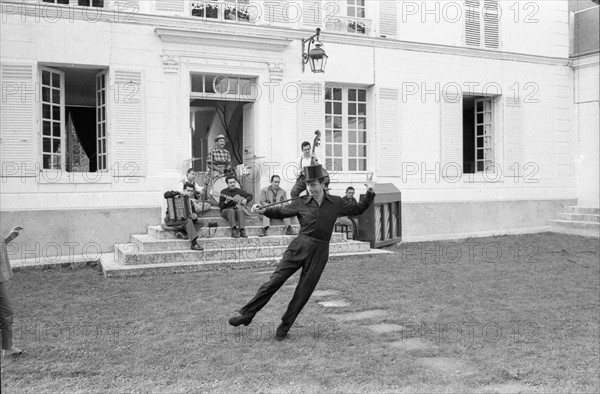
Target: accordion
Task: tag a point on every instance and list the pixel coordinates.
(179, 207)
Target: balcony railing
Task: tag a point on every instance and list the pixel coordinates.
(353, 25)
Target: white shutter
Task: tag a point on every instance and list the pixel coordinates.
(451, 126)
(491, 18)
(388, 18)
(19, 95)
(128, 124)
(388, 137)
(170, 7)
(472, 23)
(312, 13)
(311, 114)
(513, 138)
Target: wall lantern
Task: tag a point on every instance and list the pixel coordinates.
(316, 56)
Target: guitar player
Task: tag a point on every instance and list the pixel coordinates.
(231, 201)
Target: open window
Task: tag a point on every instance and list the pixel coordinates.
(73, 115)
(478, 134)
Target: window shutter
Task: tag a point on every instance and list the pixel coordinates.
(19, 95)
(312, 13)
(128, 126)
(388, 18)
(513, 138)
(451, 137)
(274, 11)
(491, 17)
(170, 7)
(388, 138)
(472, 24)
(311, 115)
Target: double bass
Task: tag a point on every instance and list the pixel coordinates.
(317, 142)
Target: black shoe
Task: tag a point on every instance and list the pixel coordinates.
(282, 333)
(241, 319)
(235, 233)
(290, 231)
(243, 233)
(263, 232)
(196, 246)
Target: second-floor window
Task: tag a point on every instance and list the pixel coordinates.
(83, 3)
(224, 10)
(482, 23)
(345, 129)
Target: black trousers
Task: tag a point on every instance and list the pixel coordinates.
(6, 318)
(306, 253)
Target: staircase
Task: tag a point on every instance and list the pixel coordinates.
(577, 220)
(160, 251)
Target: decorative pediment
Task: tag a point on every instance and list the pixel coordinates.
(224, 39)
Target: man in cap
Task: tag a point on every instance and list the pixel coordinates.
(309, 251)
(219, 159)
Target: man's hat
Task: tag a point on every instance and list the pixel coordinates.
(219, 137)
(312, 173)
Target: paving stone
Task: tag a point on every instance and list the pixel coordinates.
(359, 315)
(508, 388)
(335, 303)
(385, 327)
(448, 365)
(324, 293)
(413, 344)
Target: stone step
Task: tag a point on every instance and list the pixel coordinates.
(148, 243)
(583, 210)
(578, 217)
(130, 253)
(220, 232)
(250, 221)
(112, 269)
(575, 224)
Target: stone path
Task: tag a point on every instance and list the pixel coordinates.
(440, 365)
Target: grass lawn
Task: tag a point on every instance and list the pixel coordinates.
(502, 314)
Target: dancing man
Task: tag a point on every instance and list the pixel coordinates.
(309, 251)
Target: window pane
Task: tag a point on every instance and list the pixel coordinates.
(479, 118)
(362, 109)
(488, 105)
(337, 108)
(55, 145)
(362, 165)
(351, 109)
(46, 145)
(45, 77)
(362, 123)
(56, 96)
(479, 130)
(479, 154)
(479, 106)
(337, 94)
(46, 128)
(337, 150)
(362, 151)
(45, 94)
(328, 150)
(46, 161)
(56, 129)
(352, 123)
(328, 108)
(328, 122)
(46, 111)
(55, 112)
(351, 94)
(352, 136)
(362, 137)
(351, 150)
(480, 166)
(351, 165)
(337, 165)
(328, 94)
(337, 122)
(55, 80)
(362, 95)
(337, 136)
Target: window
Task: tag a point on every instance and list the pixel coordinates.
(345, 129)
(482, 23)
(224, 10)
(73, 135)
(223, 87)
(478, 134)
(355, 20)
(83, 3)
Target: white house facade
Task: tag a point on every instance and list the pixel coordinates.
(473, 109)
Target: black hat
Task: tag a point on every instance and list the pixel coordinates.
(312, 173)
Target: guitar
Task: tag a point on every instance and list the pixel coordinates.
(237, 199)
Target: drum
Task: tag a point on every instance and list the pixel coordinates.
(217, 185)
(241, 171)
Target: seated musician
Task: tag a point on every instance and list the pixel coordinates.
(186, 225)
(199, 206)
(196, 193)
(219, 159)
(233, 202)
(350, 220)
(270, 195)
